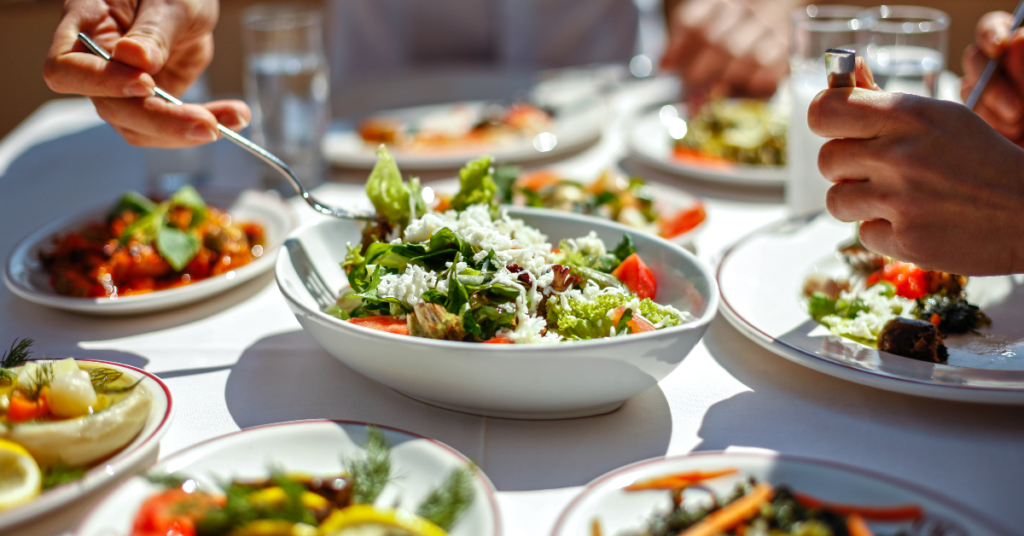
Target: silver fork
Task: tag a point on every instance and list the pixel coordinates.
(307, 272)
(256, 150)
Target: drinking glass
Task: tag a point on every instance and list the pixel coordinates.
(286, 85)
(906, 47)
(813, 29)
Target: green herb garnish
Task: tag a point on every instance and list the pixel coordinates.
(178, 246)
(18, 354)
(445, 504)
(102, 376)
(165, 480)
(61, 474)
(370, 474)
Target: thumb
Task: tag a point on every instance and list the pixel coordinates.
(158, 26)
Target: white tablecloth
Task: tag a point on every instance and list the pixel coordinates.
(241, 360)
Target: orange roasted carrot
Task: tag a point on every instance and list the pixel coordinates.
(732, 514)
(678, 481)
(595, 527)
(856, 526)
(905, 512)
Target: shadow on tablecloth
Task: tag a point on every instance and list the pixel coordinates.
(289, 377)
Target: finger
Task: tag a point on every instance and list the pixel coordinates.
(160, 26)
(230, 113)
(854, 113)
(706, 67)
(186, 63)
(856, 201)
(865, 78)
(179, 126)
(70, 68)
(694, 20)
(848, 159)
(991, 33)
(878, 236)
(740, 44)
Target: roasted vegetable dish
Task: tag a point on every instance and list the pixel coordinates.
(894, 306)
(627, 200)
(458, 127)
(58, 418)
(298, 505)
(759, 509)
(472, 273)
(143, 246)
(734, 131)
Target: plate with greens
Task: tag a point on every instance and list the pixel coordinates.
(710, 493)
(142, 255)
(332, 478)
(69, 427)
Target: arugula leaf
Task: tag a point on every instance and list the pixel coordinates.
(370, 474)
(177, 247)
(444, 505)
(625, 248)
(476, 184)
(393, 198)
(134, 202)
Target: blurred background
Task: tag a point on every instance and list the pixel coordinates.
(26, 27)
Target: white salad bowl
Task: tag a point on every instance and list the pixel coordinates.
(529, 381)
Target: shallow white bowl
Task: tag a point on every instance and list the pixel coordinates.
(125, 462)
(619, 510)
(312, 447)
(564, 380)
(26, 278)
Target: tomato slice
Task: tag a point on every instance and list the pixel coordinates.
(910, 281)
(536, 181)
(172, 513)
(498, 340)
(683, 221)
(637, 277)
(636, 324)
(390, 324)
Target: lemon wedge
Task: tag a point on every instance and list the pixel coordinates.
(368, 520)
(20, 478)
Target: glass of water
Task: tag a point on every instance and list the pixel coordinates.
(906, 47)
(813, 29)
(286, 84)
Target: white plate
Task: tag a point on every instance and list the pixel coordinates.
(762, 276)
(577, 128)
(667, 200)
(524, 381)
(650, 143)
(619, 510)
(25, 276)
(315, 447)
(125, 462)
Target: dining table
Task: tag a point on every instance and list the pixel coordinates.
(240, 359)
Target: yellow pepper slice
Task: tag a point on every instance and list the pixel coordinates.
(365, 514)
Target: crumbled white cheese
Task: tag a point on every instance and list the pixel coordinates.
(588, 245)
(408, 287)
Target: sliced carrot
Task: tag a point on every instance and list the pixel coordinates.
(498, 340)
(678, 481)
(595, 527)
(732, 514)
(905, 512)
(683, 221)
(637, 277)
(22, 409)
(390, 324)
(856, 526)
(699, 159)
(537, 180)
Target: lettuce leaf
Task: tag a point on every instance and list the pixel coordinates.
(394, 199)
(589, 319)
(476, 184)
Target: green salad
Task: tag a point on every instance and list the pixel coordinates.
(474, 274)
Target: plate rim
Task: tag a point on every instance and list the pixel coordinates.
(94, 478)
(693, 172)
(963, 393)
(965, 510)
(142, 303)
(488, 486)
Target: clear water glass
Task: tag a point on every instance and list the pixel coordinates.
(286, 85)
(906, 47)
(813, 29)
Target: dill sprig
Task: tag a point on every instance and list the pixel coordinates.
(61, 474)
(165, 480)
(102, 376)
(445, 504)
(369, 475)
(19, 353)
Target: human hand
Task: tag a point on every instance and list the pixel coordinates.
(734, 47)
(166, 43)
(1002, 103)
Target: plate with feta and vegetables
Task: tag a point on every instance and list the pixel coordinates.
(69, 426)
(328, 478)
(499, 309)
(819, 298)
(710, 493)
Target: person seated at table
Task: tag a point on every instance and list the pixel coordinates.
(737, 45)
(933, 182)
